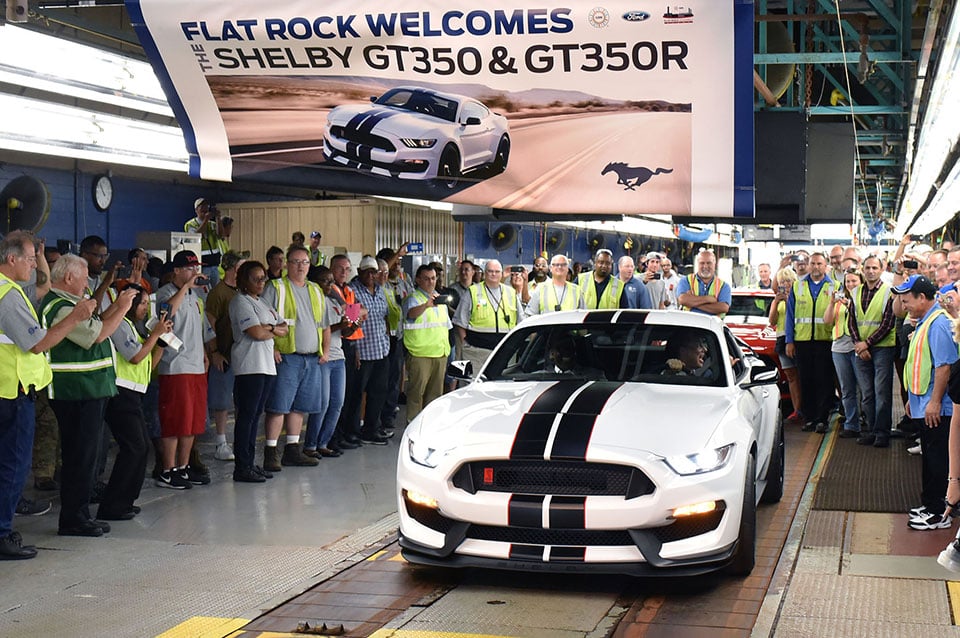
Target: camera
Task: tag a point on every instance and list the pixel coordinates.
(916, 237)
(657, 275)
(201, 281)
(911, 263)
(839, 295)
(443, 300)
(516, 269)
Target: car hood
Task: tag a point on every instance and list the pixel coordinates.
(385, 119)
(659, 419)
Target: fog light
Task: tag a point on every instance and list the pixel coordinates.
(421, 499)
(695, 509)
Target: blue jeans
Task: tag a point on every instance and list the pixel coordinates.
(875, 380)
(844, 363)
(321, 425)
(16, 449)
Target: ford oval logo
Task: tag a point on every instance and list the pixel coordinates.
(636, 16)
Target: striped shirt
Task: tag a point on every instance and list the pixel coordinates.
(376, 340)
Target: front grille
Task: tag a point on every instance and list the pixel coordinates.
(567, 478)
(531, 536)
(689, 526)
(364, 139)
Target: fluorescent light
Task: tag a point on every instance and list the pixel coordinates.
(36, 126)
(46, 63)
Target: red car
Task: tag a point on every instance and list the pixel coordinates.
(748, 320)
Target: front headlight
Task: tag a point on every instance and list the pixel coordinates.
(412, 142)
(701, 462)
(423, 454)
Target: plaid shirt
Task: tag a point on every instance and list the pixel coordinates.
(375, 343)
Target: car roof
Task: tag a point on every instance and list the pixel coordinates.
(654, 317)
(423, 89)
(753, 292)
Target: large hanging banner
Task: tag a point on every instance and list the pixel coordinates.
(620, 107)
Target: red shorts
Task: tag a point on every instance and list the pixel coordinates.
(183, 404)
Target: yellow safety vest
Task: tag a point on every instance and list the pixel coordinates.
(287, 308)
(394, 311)
(869, 320)
(429, 334)
(134, 376)
(713, 290)
(19, 368)
(916, 370)
(484, 315)
(840, 326)
(808, 323)
(609, 299)
(569, 301)
(781, 318)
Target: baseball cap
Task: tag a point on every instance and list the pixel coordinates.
(652, 255)
(198, 201)
(315, 234)
(185, 258)
(368, 263)
(917, 284)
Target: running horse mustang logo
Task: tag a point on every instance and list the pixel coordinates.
(639, 174)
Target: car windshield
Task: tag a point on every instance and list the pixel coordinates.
(671, 355)
(421, 102)
(749, 306)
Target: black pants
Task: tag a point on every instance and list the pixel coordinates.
(124, 417)
(395, 361)
(936, 463)
(81, 432)
(250, 392)
(815, 363)
(350, 381)
(372, 379)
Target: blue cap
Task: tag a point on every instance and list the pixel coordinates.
(917, 284)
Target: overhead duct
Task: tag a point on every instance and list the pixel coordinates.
(778, 77)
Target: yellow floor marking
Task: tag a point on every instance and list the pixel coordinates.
(377, 555)
(205, 627)
(953, 589)
(398, 557)
(405, 633)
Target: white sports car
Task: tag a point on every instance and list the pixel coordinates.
(418, 133)
(636, 442)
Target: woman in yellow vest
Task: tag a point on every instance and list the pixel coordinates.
(783, 282)
(844, 356)
(136, 358)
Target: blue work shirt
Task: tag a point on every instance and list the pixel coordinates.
(723, 296)
(943, 351)
(815, 289)
(637, 295)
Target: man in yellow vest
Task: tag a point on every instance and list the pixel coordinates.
(808, 340)
(599, 290)
(205, 223)
(317, 258)
(703, 291)
(488, 313)
(299, 355)
(23, 371)
(426, 337)
(871, 326)
(557, 294)
(926, 373)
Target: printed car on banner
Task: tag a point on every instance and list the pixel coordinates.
(635, 442)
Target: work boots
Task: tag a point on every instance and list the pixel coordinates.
(293, 456)
(271, 459)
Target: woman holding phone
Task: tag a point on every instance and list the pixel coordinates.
(783, 282)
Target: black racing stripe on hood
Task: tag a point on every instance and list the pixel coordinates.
(530, 440)
(576, 426)
(525, 511)
(374, 118)
(568, 512)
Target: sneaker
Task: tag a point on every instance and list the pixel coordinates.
(172, 480)
(916, 449)
(919, 512)
(950, 557)
(29, 507)
(821, 428)
(195, 476)
(46, 484)
(224, 452)
(375, 439)
(386, 433)
(809, 426)
(933, 521)
(271, 459)
(795, 416)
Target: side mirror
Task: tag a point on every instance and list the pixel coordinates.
(460, 370)
(761, 374)
(472, 121)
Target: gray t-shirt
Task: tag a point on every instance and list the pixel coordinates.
(334, 314)
(249, 355)
(658, 291)
(305, 329)
(126, 341)
(18, 323)
(191, 326)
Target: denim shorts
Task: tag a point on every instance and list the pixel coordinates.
(298, 385)
(220, 389)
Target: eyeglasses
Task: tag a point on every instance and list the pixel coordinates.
(259, 280)
(299, 262)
